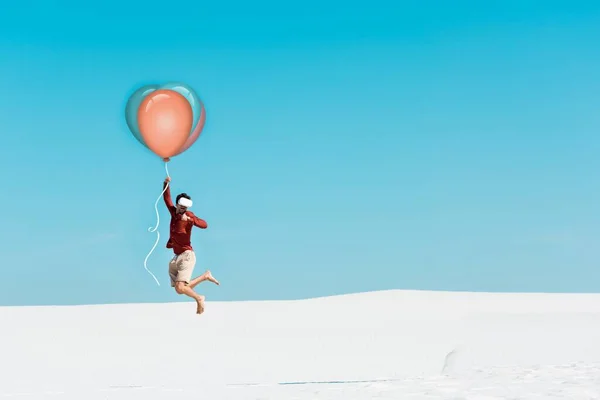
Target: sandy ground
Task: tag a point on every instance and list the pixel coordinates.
(380, 345)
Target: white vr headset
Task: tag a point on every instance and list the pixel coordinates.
(187, 203)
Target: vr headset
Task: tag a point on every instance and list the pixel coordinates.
(187, 203)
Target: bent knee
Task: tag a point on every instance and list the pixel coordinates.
(180, 287)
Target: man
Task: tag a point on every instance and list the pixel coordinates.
(183, 262)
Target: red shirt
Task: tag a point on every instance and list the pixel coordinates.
(181, 231)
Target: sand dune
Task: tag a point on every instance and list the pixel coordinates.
(390, 344)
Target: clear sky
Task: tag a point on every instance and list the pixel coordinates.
(348, 147)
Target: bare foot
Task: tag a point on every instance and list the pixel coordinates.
(200, 303)
(208, 276)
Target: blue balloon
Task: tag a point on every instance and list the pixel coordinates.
(131, 110)
(191, 97)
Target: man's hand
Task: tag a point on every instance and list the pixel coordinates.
(167, 179)
(185, 218)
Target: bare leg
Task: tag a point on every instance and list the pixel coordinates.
(182, 288)
(207, 276)
(200, 303)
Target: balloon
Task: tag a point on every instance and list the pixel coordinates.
(132, 107)
(196, 132)
(190, 95)
(165, 120)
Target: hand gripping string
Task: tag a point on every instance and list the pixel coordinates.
(155, 229)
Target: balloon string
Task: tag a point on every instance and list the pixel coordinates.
(155, 229)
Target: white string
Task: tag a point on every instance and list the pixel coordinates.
(155, 229)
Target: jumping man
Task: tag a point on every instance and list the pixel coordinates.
(183, 262)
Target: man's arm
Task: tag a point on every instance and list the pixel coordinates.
(167, 194)
(199, 222)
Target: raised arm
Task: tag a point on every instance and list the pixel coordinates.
(167, 194)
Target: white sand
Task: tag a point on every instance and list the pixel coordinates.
(381, 345)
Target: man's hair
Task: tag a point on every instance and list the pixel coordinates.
(180, 195)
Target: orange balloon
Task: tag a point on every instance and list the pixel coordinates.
(165, 120)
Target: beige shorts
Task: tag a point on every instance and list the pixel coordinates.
(181, 267)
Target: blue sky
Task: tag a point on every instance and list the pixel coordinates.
(348, 147)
